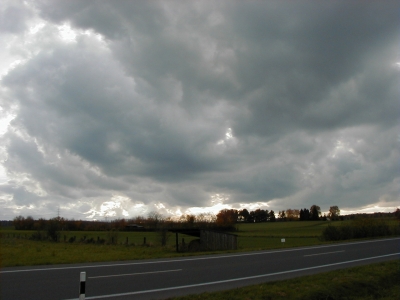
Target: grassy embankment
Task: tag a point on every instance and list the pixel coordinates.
(16, 249)
(375, 281)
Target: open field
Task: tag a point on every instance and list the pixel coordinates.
(18, 250)
(375, 281)
(259, 236)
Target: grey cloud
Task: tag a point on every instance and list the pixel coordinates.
(14, 16)
(21, 196)
(260, 101)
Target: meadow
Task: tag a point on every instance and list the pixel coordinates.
(260, 236)
(17, 249)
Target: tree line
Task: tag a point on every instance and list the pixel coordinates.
(228, 217)
(153, 221)
(225, 219)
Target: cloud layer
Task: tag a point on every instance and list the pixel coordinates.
(122, 108)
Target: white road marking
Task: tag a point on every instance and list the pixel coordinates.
(324, 253)
(197, 258)
(233, 280)
(131, 274)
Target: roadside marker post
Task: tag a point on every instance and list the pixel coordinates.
(82, 286)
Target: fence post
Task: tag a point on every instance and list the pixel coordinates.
(82, 286)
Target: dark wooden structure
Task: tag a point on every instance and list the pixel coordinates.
(213, 240)
(209, 240)
(134, 227)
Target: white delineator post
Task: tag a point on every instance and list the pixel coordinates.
(82, 286)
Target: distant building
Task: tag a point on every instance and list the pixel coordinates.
(134, 227)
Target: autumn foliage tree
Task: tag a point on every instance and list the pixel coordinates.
(292, 214)
(282, 215)
(227, 217)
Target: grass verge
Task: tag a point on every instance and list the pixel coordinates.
(375, 281)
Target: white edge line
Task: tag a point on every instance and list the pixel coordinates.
(132, 274)
(324, 253)
(232, 280)
(200, 258)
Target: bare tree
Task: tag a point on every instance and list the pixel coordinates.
(154, 219)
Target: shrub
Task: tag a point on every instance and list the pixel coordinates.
(331, 233)
(359, 228)
(53, 227)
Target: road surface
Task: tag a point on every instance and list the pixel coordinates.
(163, 278)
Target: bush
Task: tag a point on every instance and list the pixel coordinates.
(53, 227)
(359, 228)
(37, 236)
(331, 233)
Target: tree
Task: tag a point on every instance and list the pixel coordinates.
(190, 219)
(118, 224)
(227, 217)
(154, 219)
(272, 216)
(292, 214)
(282, 215)
(19, 222)
(260, 215)
(397, 214)
(40, 224)
(315, 212)
(304, 214)
(205, 219)
(244, 215)
(29, 223)
(334, 212)
(252, 216)
(187, 220)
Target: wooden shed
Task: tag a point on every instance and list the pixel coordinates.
(213, 240)
(209, 240)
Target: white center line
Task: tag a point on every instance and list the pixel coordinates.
(324, 253)
(131, 274)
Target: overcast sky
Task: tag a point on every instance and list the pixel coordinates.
(120, 108)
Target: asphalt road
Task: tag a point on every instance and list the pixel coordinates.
(163, 278)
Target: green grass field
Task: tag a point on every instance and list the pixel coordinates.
(260, 236)
(18, 250)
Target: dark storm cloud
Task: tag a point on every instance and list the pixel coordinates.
(174, 103)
